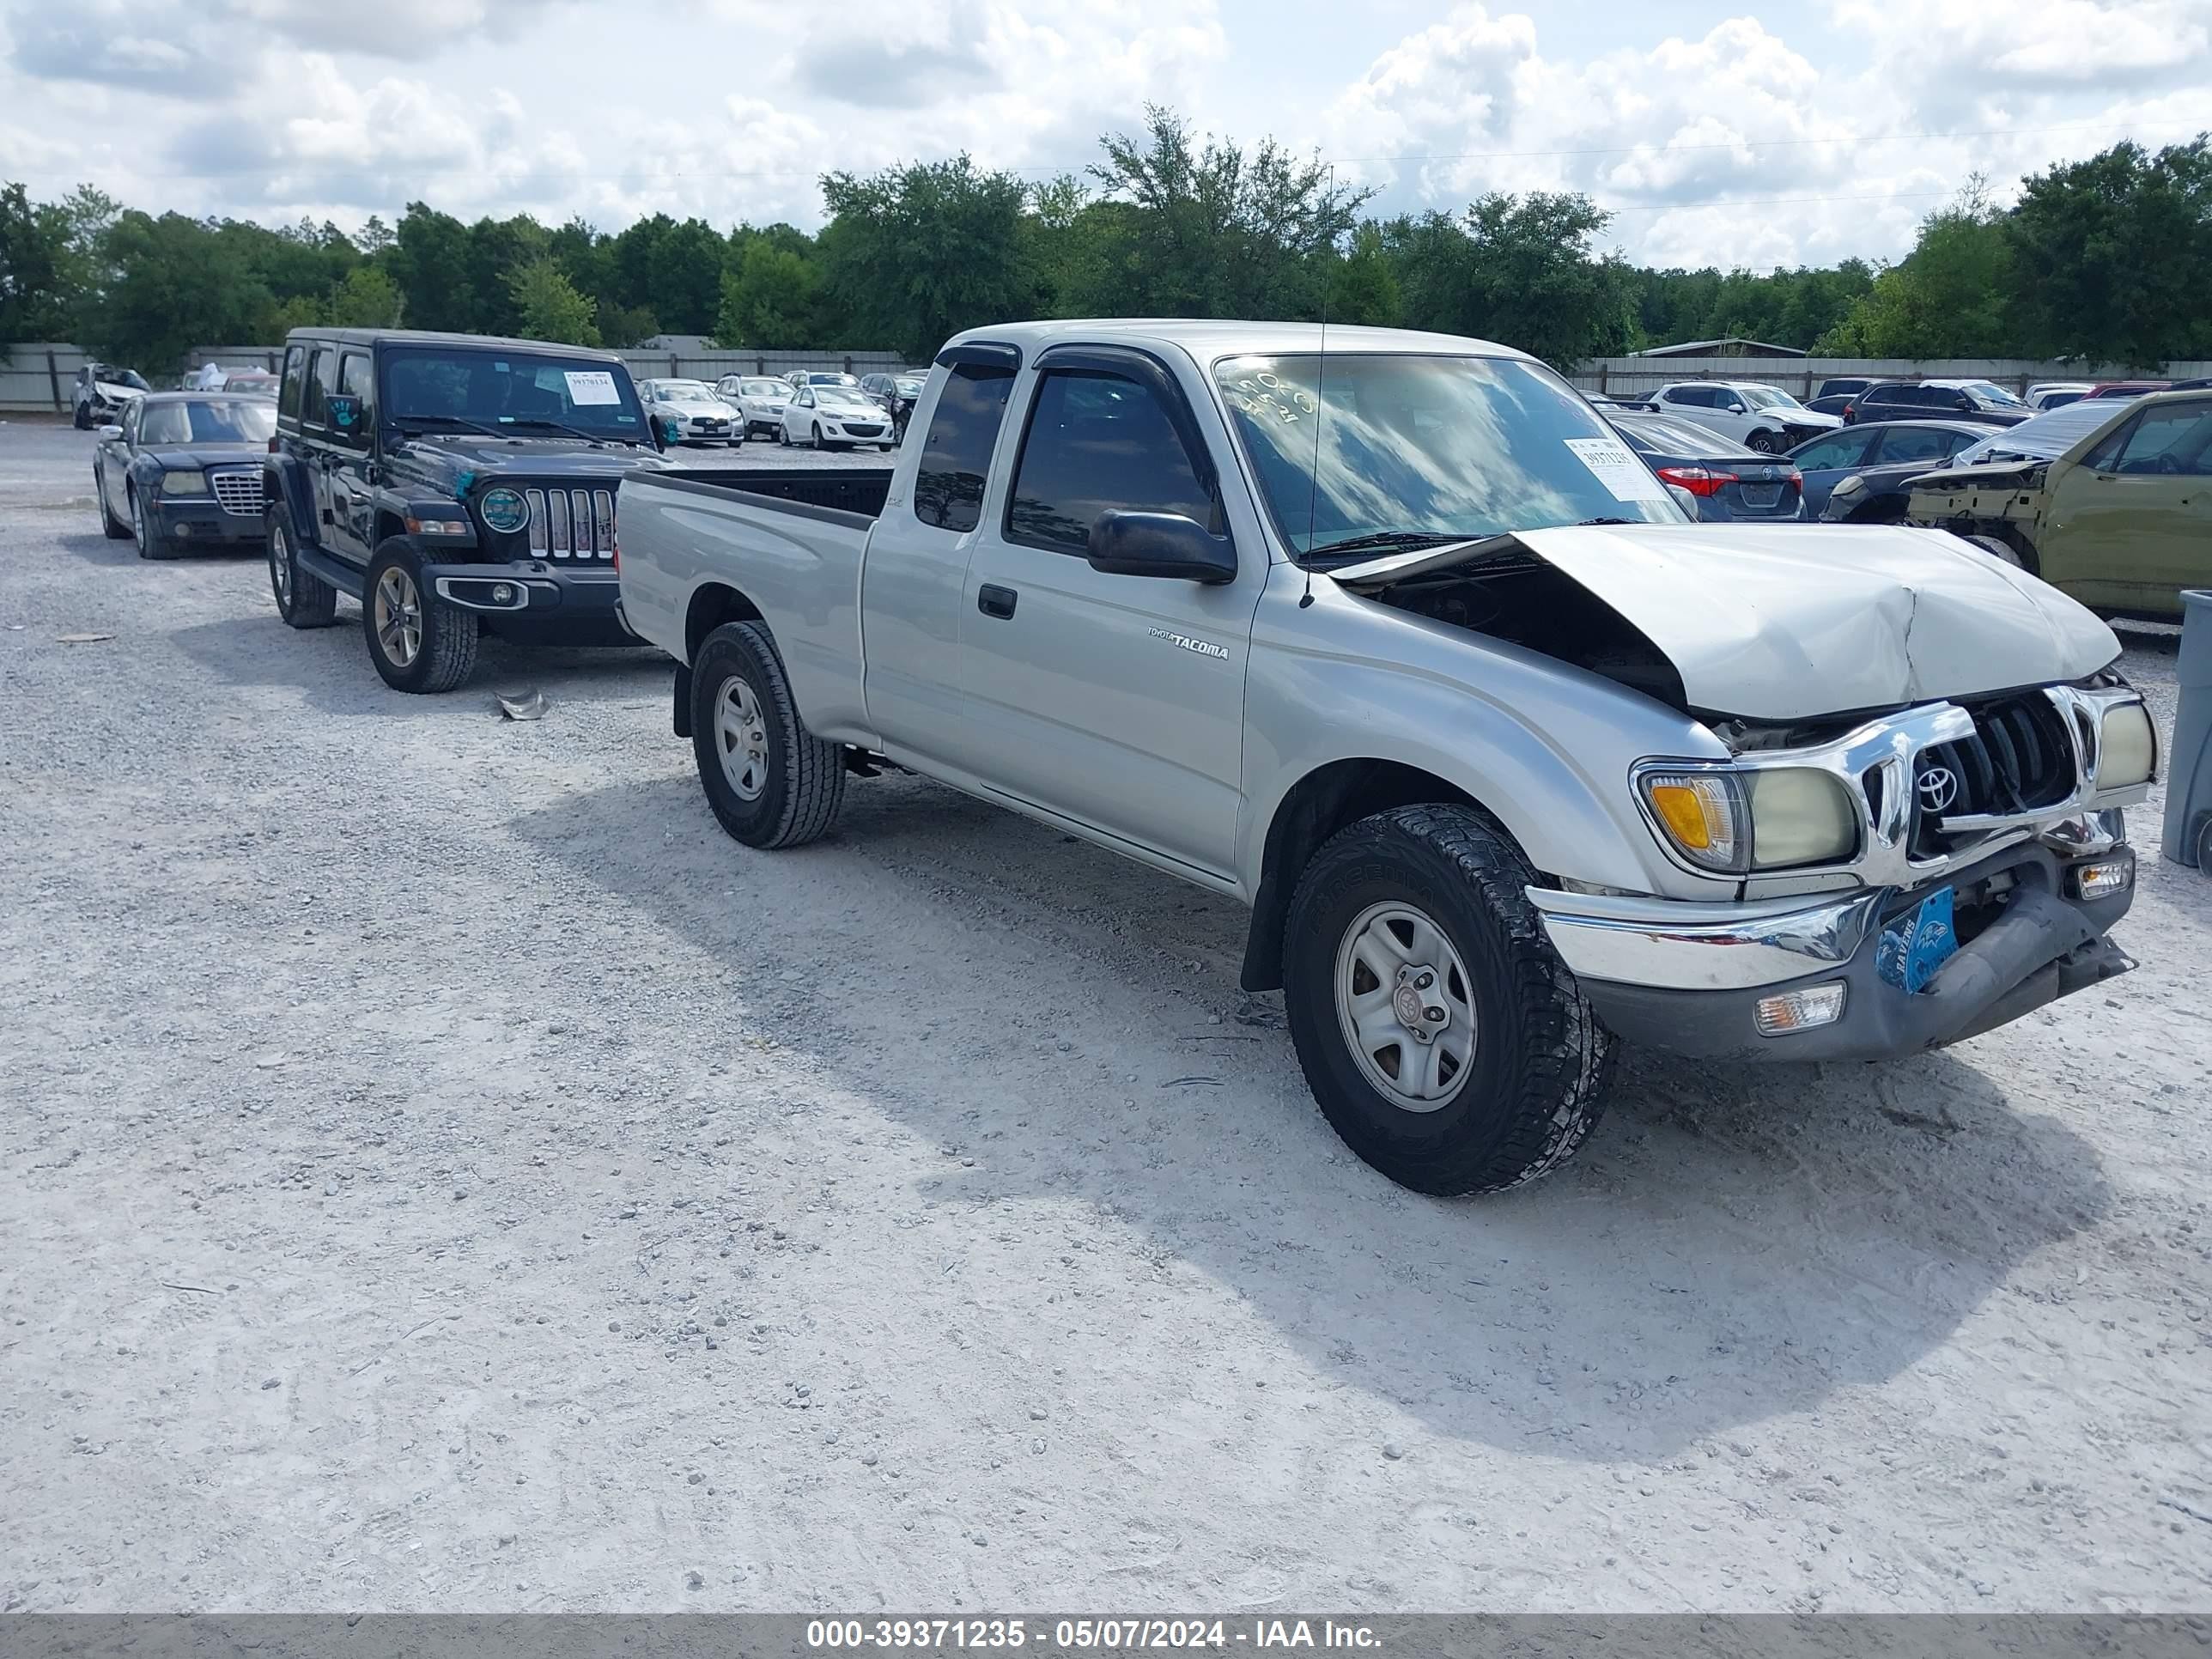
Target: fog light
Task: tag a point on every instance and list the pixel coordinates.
(1800, 1011)
(182, 531)
(501, 592)
(2103, 878)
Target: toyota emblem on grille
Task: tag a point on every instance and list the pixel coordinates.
(1939, 787)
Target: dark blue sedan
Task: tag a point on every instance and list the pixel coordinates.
(1729, 481)
(1830, 458)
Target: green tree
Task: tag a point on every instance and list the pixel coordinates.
(33, 259)
(770, 296)
(365, 298)
(1520, 270)
(1363, 286)
(547, 307)
(2112, 256)
(1950, 297)
(176, 284)
(914, 254)
(430, 260)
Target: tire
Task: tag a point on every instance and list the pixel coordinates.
(418, 642)
(111, 526)
(1765, 442)
(783, 436)
(147, 533)
(814, 434)
(2005, 550)
(1536, 1061)
(303, 600)
(796, 782)
(81, 417)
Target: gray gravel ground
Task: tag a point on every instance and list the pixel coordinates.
(442, 1172)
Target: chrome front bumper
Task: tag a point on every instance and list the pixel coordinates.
(1704, 947)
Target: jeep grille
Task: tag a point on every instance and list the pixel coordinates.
(571, 524)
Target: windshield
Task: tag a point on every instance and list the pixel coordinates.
(437, 386)
(764, 389)
(909, 385)
(686, 391)
(831, 379)
(1995, 396)
(1419, 446)
(130, 377)
(223, 422)
(2045, 437)
(1768, 397)
(838, 397)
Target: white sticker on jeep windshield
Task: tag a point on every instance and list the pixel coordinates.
(1616, 466)
(592, 386)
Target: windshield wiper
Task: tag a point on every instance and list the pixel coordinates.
(560, 426)
(1394, 541)
(404, 422)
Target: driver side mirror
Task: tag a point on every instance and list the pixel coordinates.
(110, 432)
(1736, 409)
(1159, 545)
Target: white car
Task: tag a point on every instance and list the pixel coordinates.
(690, 412)
(758, 400)
(1757, 416)
(834, 417)
(2056, 394)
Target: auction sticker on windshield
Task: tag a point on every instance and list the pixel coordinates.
(1616, 466)
(592, 386)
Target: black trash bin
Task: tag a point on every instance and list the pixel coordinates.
(2188, 838)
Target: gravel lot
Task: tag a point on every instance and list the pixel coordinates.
(443, 1172)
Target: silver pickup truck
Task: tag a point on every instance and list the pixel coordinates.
(1397, 642)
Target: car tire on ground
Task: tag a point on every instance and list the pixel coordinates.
(1765, 442)
(146, 530)
(783, 436)
(1998, 548)
(1420, 911)
(418, 642)
(303, 599)
(81, 418)
(771, 781)
(113, 527)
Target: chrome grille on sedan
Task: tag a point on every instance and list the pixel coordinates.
(239, 492)
(571, 524)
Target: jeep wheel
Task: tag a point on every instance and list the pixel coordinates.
(771, 781)
(1442, 1036)
(146, 530)
(113, 527)
(302, 600)
(416, 640)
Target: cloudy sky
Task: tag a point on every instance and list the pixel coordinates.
(1797, 133)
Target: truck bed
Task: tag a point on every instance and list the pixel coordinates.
(858, 490)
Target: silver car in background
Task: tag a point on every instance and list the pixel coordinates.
(690, 412)
(759, 400)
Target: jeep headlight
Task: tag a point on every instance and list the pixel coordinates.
(1734, 822)
(184, 483)
(2127, 754)
(504, 510)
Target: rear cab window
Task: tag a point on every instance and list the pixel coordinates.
(956, 456)
(296, 377)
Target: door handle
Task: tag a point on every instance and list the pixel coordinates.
(993, 600)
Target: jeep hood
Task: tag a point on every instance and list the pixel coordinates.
(1784, 623)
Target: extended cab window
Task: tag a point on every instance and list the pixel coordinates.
(320, 372)
(948, 486)
(1098, 443)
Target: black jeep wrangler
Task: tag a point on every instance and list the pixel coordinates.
(453, 484)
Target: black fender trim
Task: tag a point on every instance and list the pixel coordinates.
(283, 479)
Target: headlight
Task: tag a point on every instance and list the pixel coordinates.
(504, 510)
(1761, 818)
(2128, 753)
(184, 483)
(1799, 816)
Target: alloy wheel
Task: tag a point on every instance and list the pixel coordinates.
(280, 569)
(398, 616)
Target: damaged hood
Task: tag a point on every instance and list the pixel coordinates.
(1797, 621)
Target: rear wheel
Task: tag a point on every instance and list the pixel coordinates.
(1442, 1036)
(418, 642)
(771, 782)
(303, 600)
(1765, 442)
(1997, 548)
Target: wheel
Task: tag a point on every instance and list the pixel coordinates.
(771, 781)
(147, 531)
(1765, 442)
(783, 436)
(1441, 1036)
(814, 434)
(81, 418)
(303, 600)
(113, 527)
(2205, 848)
(2005, 550)
(417, 641)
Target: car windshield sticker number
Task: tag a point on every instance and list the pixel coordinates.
(592, 386)
(1616, 466)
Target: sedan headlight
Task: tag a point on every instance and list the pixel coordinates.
(184, 483)
(1762, 818)
(2128, 753)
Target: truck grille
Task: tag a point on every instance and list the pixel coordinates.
(2020, 757)
(239, 492)
(571, 524)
